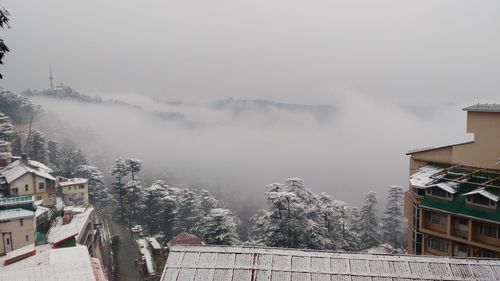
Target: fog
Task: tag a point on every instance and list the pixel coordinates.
(237, 147)
(387, 76)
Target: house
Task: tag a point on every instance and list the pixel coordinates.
(210, 263)
(75, 227)
(17, 223)
(43, 262)
(453, 200)
(75, 190)
(17, 229)
(185, 238)
(29, 177)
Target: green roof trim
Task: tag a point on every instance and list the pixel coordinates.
(459, 207)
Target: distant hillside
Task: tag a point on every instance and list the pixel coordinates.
(321, 112)
(17, 107)
(62, 92)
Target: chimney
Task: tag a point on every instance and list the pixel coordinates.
(67, 217)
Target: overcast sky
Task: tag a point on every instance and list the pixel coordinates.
(288, 50)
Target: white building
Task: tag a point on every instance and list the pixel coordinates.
(17, 229)
(28, 177)
(75, 190)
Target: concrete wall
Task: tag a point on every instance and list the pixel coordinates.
(17, 233)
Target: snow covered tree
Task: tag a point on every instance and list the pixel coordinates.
(207, 202)
(290, 219)
(219, 227)
(71, 157)
(188, 213)
(37, 146)
(99, 194)
(120, 171)
(368, 226)
(392, 221)
(4, 22)
(331, 216)
(134, 166)
(152, 205)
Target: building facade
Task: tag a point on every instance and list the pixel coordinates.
(28, 177)
(452, 203)
(75, 190)
(17, 229)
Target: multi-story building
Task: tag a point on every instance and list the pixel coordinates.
(28, 177)
(452, 204)
(75, 190)
(17, 223)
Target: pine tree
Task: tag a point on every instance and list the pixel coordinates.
(207, 202)
(120, 171)
(134, 186)
(152, 205)
(392, 221)
(219, 227)
(368, 226)
(189, 213)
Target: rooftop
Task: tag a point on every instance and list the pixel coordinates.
(461, 182)
(254, 264)
(17, 213)
(73, 263)
(485, 107)
(73, 181)
(185, 238)
(18, 168)
(60, 232)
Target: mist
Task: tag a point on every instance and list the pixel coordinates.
(236, 147)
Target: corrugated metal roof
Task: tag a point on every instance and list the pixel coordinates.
(18, 168)
(216, 263)
(17, 213)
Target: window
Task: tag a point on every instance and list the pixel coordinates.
(41, 185)
(480, 200)
(460, 251)
(39, 198)
(27, 238)
(489, 230)
(69, 187)
(7, 241)
(416, 217)
(436, 218)
(462, 224)
(487, 254)
(81, 186)
(21, 222)
(437, 244)
(26, 187)
(438, 192)
(14, 191)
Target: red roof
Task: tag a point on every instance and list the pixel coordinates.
(185, 238)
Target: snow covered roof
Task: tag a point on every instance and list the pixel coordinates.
(143, 248)
(423, 177)
(74, 209)
(20, 253)
(154, 243)
(60, 232)
(450, 187)
(72, 263)
(18, 168)
(185, 238)
(255, 264)
(485, 193)
(73, 181)
(17, 213)
(41, 210)
(486, 107)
